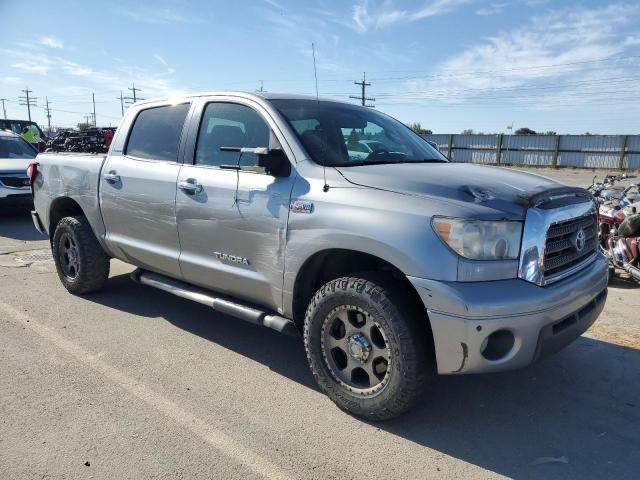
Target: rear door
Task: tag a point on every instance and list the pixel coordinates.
(138, 189)
(232, 226)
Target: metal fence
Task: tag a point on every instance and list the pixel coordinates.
(586, 151)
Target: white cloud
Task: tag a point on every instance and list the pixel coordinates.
(493, 9)
(563, 53)
(632, 40)
(160, 59)
(152, 83)
(31, 67)
(156, 15)
(366, 16)
(273, 3)
(51, 41)
(8, 80)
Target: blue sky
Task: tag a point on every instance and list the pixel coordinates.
(557, 65)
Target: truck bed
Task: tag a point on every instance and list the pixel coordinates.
(73, 175)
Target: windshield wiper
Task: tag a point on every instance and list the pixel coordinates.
(425, 160)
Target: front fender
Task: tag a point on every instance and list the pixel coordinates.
(382, 224)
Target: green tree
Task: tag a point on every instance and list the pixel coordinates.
(83, 125)
(525, 131)
(352, 141)
(417, 127)
(468, 131)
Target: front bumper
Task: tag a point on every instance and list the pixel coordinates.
(541, 320)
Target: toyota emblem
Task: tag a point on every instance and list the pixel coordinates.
(579, 240)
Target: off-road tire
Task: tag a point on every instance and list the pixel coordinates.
(93, 263)
(407, 339)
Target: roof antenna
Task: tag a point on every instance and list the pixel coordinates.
(315, 70)
(325, 187)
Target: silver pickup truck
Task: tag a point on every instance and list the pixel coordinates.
(394, 263)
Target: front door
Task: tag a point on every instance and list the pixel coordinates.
(231, 215)
(138, 190)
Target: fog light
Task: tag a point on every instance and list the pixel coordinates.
(497, 345)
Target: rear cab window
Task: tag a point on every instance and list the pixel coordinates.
(156, 133)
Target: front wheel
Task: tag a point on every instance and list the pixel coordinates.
(82, 264)
(365, 347)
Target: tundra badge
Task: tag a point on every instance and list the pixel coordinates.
(225, 257)
(301, 206)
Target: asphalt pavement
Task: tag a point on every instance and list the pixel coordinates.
(132, 382)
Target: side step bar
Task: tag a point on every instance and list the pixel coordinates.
(244, 312)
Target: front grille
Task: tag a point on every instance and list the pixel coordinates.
(14, 180)
(562, 250)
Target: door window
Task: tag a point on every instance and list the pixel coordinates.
(156, 133)
(230, 125)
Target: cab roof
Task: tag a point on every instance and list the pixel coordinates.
(250, 95)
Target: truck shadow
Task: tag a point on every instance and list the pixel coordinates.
(17, 224)
(574, 415)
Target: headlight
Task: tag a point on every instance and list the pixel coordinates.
(480, 240)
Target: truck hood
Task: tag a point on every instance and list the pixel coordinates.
(14, 164)
(496, 188)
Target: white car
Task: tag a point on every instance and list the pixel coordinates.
(15, 154)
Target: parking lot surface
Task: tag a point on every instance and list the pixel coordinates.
(132, 382)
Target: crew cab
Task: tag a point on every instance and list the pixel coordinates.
(393, 266)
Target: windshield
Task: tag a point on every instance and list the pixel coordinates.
(342, 135)
(14, 147)
(16, 126)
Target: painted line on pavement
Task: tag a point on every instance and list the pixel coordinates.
(214, 437)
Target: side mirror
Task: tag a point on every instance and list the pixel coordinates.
(275, 163)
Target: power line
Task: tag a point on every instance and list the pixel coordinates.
(26, 100)
(363, 98)
(81, 113)
(512, 69)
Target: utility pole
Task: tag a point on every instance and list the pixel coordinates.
(134, 98)
(93, 98)
(48, 114)
(28, 101)
(363, 97)
(134, 90)
(3, 107)
(121, 98)
(86, 120)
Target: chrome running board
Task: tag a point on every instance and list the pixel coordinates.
(221, 304)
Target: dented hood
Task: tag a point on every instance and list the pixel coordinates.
(496, 188)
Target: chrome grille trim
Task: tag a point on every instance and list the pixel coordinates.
(13, 180)
(544, 236)
(560, 252)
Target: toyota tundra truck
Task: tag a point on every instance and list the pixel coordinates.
(393, 264)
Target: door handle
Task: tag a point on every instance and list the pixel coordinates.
(190, 186)
(111, 177)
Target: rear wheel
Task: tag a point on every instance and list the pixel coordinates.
(365, 347)
(82, 264)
